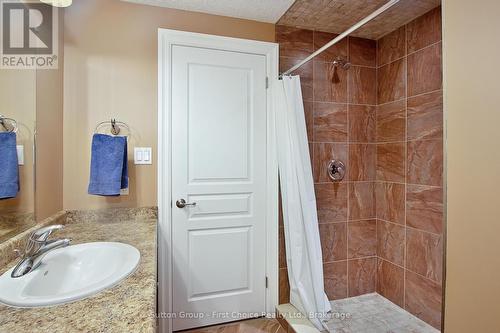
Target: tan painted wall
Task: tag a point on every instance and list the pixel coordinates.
(49, 111)
(472, 100)
(111, 71)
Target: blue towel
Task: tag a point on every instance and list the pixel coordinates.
(9, 169)
(108, 166)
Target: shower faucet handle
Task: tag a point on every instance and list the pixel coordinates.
(336, 170)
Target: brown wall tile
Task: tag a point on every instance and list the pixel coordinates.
(392, 81)
(390, 198)
(362, 239)
(425, 116)
(306, 75)
(424, 208)
(424, 254)
(392, 46)
(362, 276)
(330, 83)
(362, 123)
(330, 122)
(331, 200)
(391, 122)
(362, 51)
(362, 158)
(425, 70)
(391, 162)
(423, 299)
(425, 162)
(284, 286)
(361, 201)
(294, 42)
(362, 85)
(424, 30)
(282, 248)
(417, 124)
(323, 153)
(391, 242)
(335, 279)
(390, 282)
(330, 54)
(280, 209)
(333, 241)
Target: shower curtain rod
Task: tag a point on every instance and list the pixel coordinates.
(343, 35)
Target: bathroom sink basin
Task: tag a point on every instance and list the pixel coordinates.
(70, 274)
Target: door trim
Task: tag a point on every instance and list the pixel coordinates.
(166, 40)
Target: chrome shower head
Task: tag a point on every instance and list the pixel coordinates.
(342, 63)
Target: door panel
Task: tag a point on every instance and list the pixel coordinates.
(219, 162)
(220, 205)
(225, 272)
(229, 117)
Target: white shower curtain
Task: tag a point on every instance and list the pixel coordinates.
(303, 247)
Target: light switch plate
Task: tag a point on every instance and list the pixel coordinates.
(143, 155)
(20, 154)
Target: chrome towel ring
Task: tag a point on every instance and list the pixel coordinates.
(115, 127)
(8, 124)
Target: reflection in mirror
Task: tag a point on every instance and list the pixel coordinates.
(17, 130)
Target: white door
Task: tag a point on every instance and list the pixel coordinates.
(219, 164)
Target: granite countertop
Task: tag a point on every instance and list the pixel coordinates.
(128, 307)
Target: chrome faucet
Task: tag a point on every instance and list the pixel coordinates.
(37, 247)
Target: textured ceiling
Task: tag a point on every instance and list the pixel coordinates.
(259, 10)
(338, 15)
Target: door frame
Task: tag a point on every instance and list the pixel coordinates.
(166, 40)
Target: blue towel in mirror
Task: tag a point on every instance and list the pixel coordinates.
(108, 166)
(9, 168)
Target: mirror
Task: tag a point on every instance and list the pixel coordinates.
(31, 100)
(18, 111)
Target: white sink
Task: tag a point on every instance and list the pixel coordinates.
(69, 274)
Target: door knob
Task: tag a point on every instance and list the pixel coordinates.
(181, 203)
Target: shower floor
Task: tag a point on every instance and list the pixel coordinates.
(373, 313)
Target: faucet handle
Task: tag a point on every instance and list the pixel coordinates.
(42, 234)
(39, 237)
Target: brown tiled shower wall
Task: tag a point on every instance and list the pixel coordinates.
(381, 227)
(409, 189)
